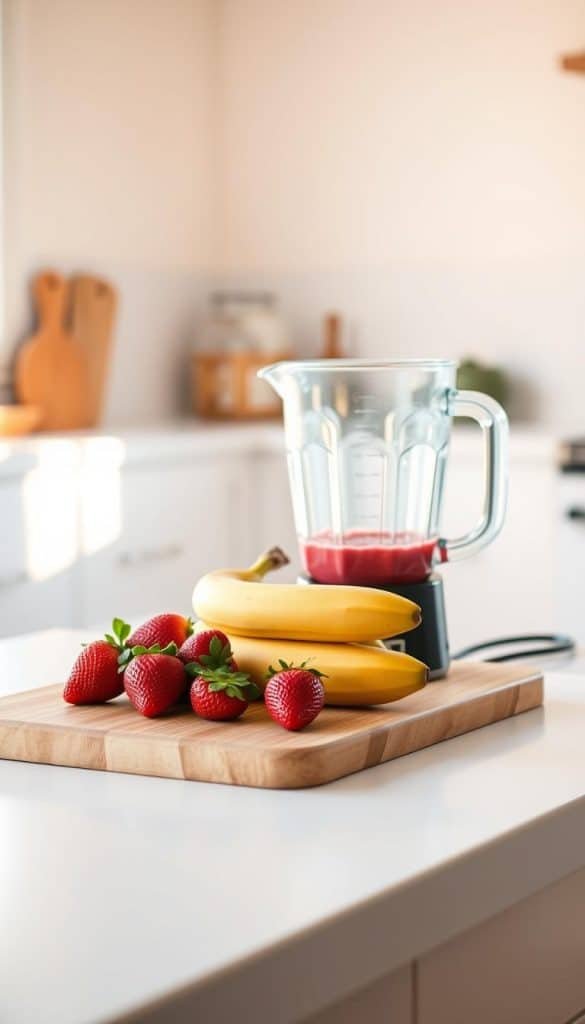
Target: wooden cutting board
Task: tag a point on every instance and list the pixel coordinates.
(253, 751)
(93, 309)
(50, 367)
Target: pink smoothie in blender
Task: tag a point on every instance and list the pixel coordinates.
(368, 559)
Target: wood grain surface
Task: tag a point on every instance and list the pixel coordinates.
(51, 370)
(253, 751)
(93, 311)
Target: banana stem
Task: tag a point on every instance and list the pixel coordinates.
(273, 559)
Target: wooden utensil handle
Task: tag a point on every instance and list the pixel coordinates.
(50, 291)
(332, 336)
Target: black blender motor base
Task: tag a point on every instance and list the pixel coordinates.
(429, 641)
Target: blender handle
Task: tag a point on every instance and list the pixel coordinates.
(494, 424)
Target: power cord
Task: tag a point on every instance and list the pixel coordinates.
(550, 643)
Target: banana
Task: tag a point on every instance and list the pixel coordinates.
(356, 674)
(237, 602)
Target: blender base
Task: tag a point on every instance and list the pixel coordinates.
(428, 642)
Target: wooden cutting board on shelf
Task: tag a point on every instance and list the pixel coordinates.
(93, 310)
(253, 751)
(51, 371)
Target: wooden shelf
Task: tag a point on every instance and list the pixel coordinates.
(574, 62)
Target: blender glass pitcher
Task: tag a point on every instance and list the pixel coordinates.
(367, 446)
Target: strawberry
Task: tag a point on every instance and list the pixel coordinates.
(199, 644)
(96, 674)
(164, 629)
(218, 705)
(294, 696)
(219, 692)
(155, 679)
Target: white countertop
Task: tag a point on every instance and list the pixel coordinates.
(119, 891)
(189, 437)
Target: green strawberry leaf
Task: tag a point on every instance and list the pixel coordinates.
(155, 649)
(240, 678)
(235, 684)
(120, 633)
(215, 647)
(218, 656)
(171, 649)
(189, 629)
(121, 630)
(285, 666)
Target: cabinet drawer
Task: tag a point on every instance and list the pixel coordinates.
(526, 965)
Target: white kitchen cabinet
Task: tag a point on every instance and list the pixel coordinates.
(524, 966)
(161, 527)
(271, 517)
(508, 588)
(96, 526)
(570, 562)
(387, 1000)
(38, 542)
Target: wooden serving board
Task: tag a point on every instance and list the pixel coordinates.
(253, 751)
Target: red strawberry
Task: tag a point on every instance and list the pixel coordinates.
(154, 681)
(164, 629)
(199, 644)
(94, 677)
(295, 696)
(219, 691)
(96, 674)
(216, 705)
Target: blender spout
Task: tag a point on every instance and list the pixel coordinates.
(274, 375)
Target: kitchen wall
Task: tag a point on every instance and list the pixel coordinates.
(108, 158)
(418, 165)
(421, 166)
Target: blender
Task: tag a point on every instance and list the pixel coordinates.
(367, 445)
